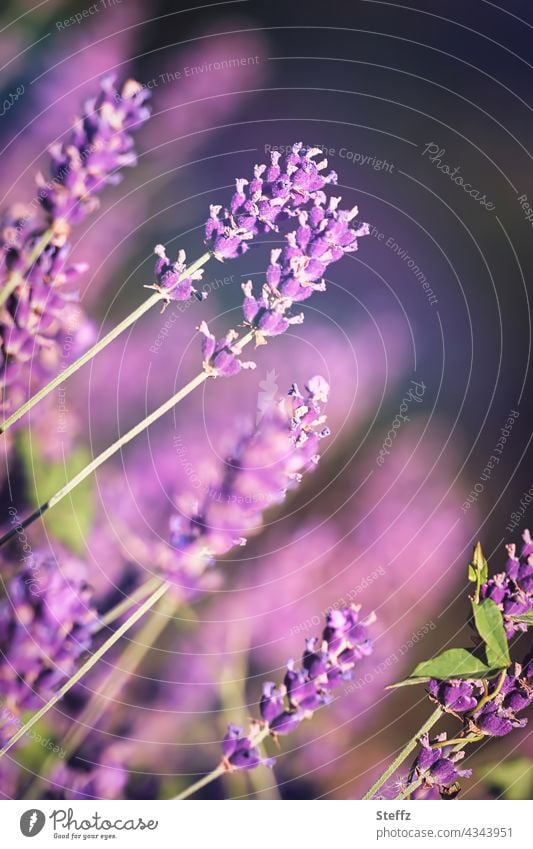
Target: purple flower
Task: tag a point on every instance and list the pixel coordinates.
(497, 717)
(437, 766)
(325, 664)
(171, 281)
(456, 696)
(267, 461)
(221, 356)
(46, 623)
(98, 146)
(512, 589)
(37, 316)
(239, 752)
(276, 192)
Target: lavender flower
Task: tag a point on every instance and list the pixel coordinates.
(267, 462)
(171, 281)
(512, 589)
(46, 623)
(35, 317)
(326, 663)
(276, 192)
(96, 773)
(497, 717)
(456, 696)
(438, 768)
(325, 233)
(98, 146)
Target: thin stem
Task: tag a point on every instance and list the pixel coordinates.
(405, 752)
(97, 347)
(105, 455)
(488, 697)
(218, 771)
(130, 601)
(126, 665)
(18, 277)
(117, 445)
(86, 667)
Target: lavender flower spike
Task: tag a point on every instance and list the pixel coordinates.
(267, 461)
(36, 278)
(438, 768)
(46, 624)
(326, 663)
(275, 193)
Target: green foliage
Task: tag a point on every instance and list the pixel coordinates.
(70, 520)
(489, 624)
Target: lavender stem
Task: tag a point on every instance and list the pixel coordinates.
(87, 666)
(217, 772)
(98, 346)
(405, 752)
(126, 665)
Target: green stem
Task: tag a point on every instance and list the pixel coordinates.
(117, 445)
(130, 601)
(87, 666)
(217, 772)
(405, 752)
(488, 697)
(18, 277)
(105, 455)
(108, 690)
(97, 347)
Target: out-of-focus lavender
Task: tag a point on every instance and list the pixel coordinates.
(36, 272)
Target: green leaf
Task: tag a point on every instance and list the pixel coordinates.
(454, 663)
(489, 624)
(478, 569)
(407, 682)
(70, 520)
(524, 617)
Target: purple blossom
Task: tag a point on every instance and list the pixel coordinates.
(267, 461)
(96, 773)
(37, 316)
(171, 281)
(98, 146)
(512, 589)
(456, 696)
(276, 192)
(221, 356)
(326, 663)
(497, 717)
(437, 766)
(46, 624)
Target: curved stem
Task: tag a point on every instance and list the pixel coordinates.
(86, 667)
(97, 347)
(108, 690)
(218, 771)
(405, 752)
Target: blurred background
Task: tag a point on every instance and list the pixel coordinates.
(437, 294)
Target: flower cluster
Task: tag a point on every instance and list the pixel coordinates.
(172, 281)
(46, 623)
(276, 192)
(266, 462)
(512, 589)
(325, 233)
(38, 312)
(486, 708)
(326, 663)
(436, 765)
